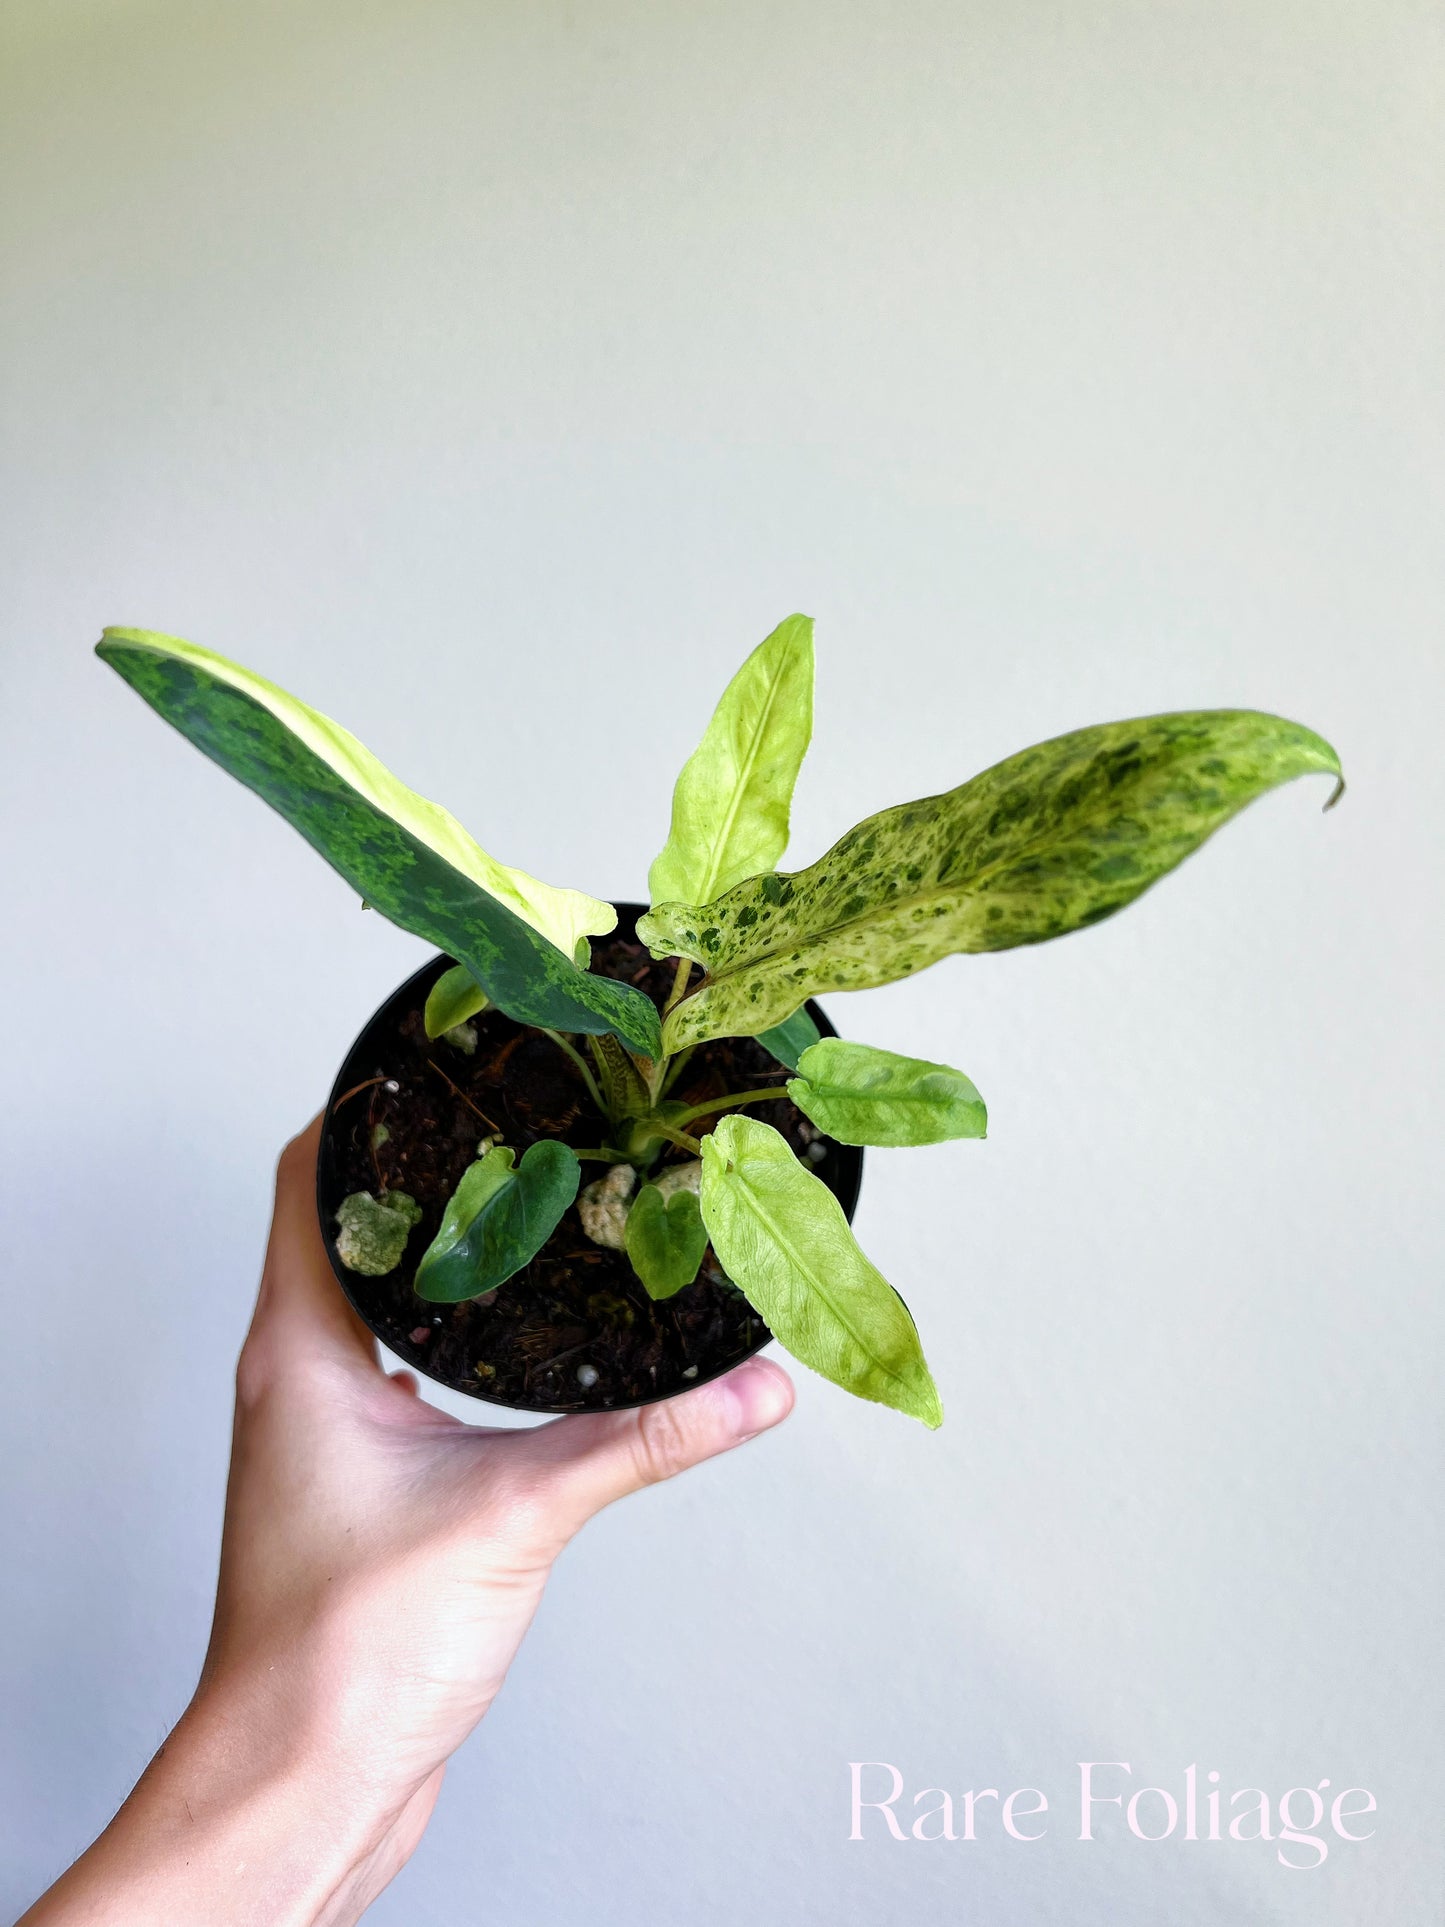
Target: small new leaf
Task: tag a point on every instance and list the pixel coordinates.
(788, 1040)
(454, 997)
(731, 803)
(782, 1238)
(860, 1095)
(1055, 838)
(497, 1218)
(665, 1239)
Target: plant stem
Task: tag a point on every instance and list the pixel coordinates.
(729, 1101)
(581, 1062)
(602, 1156)
(674, 1136)
(679, 984)
(675, 1067)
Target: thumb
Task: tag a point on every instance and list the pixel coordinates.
(583, 1463)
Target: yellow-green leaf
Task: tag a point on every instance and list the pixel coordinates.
(731, 804)
(782, 1238)
(453, 998)
(861, 1095)
(1055, 838)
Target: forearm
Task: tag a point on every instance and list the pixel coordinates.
(228, 1827)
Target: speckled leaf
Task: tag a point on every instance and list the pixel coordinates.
(454, 997)
(731, 803)
(788, 1040)
(398, 854)
(496, 1219)
(665, 1239)
(782, 1238)
(1057, 837)
(860, 1095)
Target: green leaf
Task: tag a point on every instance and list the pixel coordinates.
(665, 1239)
(371, 1233)
(731, 803)
(454, 997)
(496, 1219)
(408, 858)
(1057, 837)
(788, 1040)
(860, 1095)
(782, 1238)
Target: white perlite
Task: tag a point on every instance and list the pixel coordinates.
(680, 1177)
(602, 1207)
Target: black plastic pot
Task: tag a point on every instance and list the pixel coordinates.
(450, 1343)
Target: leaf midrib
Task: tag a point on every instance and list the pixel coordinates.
(850, 1094)
(721, 840)
(785, 1243)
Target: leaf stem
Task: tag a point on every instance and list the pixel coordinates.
(675, 1067)
(730, 1101)
(679, 984)
(675, 1136)
(581, 1062)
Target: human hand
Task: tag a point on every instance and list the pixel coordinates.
(380, 1564)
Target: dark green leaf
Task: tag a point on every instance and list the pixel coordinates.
(860, 1095)
(496, 1219)
(403, 860)
(788, 1040)
(665, 1239)
(782, 1238)
(1060, 836)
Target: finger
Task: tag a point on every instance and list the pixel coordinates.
(584, 1463)
(301, 1310)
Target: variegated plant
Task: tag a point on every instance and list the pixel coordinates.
(1057, 837)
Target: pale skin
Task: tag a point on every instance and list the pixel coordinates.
(380, 1564)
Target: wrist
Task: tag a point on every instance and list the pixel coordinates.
(232, 1825)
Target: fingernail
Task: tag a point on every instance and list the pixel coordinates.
(760, 1396)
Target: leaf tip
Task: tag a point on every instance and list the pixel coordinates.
(1336, 793)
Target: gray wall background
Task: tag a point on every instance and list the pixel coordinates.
(495, 376)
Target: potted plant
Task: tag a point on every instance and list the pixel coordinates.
(572, 1165)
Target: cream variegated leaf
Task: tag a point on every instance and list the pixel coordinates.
(406, 857)
(564, 917)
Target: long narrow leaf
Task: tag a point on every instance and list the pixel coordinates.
(395, 865)
(1055, 838)
(782, 1238)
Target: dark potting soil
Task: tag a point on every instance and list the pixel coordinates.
(574, 1330)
